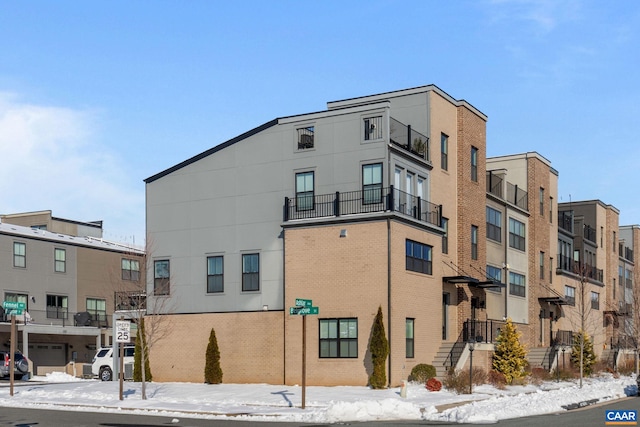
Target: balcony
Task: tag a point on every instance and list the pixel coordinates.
(494, 184)
(567, 264)
(589, 233)
(370, 200)
(408, 139)
(517, 196)
(565, 221)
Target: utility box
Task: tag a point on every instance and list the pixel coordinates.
(128, 371)
(86, 371)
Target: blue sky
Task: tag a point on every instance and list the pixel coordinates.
(97, 96)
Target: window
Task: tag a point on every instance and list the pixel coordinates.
(13, 297)
(161, 281)
(444, 151)
(516, 284)
(305, 138)
(418, 257)
(551, 209)
(304, 191)
(445, 236)
(541, 265)
(474, 164)
(602, 237)
(215, 274)
(541, 196)
(372, 128)
(251, 272)
(474, 242)
(57, 307)
(550, 270)
(409, 337)
(339, 338)
(494, 224)
(494, 273)
(372, 183)
(570, 294)
(614, 241)
(60, 256)
(19, 254)
(130, 269)
(97, 308)
(516, 234)
(595, 300)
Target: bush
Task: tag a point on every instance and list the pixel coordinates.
(459, 381)
(497, 379)
(538, 375)
(379, 348)
(212, 369)
(422, 373)
(433, 384)
(627, 367)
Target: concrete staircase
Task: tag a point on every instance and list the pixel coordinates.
(441, 358)
(539, 357)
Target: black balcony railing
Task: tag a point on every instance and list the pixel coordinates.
(567, 264)
(59, 316)
(481, 331)
(370, 200)
(517, 196)
(494, 184)
(565, 220)
(589, 233)
(403, 136)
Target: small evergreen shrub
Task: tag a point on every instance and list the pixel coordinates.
(509, 356)
(588, 355)
(379, 348)
(212, 369)
(422, 373)
(434, 384)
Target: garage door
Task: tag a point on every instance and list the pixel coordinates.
(49, 354)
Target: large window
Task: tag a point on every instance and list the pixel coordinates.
(474, 164)
(570, 294)
(418, 257)
(516, 234)
(474, 242)
(251, 272)
(57, 307)
(304, 191)
(409, 338)
(305, 138)
(541, 197)
(516, 284)
(595, 300)
(13, 297)
(19, 254)
(494, 273)
(215, 274)
(130, 269)
(60, 256)
(444, 151)
(372, 128)
(445, 236)
(161, 277)
(97, 307)
(494, 224)
(372, 183)
(339, 338)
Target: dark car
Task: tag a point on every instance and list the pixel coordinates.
(20, 368)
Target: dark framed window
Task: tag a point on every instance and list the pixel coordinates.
(474, 242)
(339, 338)
(372, 128)
(13, 297)
(542, 256)
(418, 257)
(306, 138)
(517, 284)
(372, 183)
(474, 164)
(444, 151)
(97, 307)
(215, 274)
(541, 196)
(19, 254)
(60, 256)
(595, 300)
(516, 234)
(161, 277)
(304, 191)
(570, 294)
(130, 269)
(494, 224)
(445, 236)
(409, 337)
(250, 272)
(57, 307)
(494, 273)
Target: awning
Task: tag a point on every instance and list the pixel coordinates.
(460, 279)
(491, 284)
(554, 300)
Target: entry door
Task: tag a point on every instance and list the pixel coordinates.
(445, 315)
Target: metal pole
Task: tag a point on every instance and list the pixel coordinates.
(121, 365)
(304, 357)
(12, 354)
(470, 368)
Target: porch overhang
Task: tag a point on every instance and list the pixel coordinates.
(487, 284)
(554, 300)
(460, 279)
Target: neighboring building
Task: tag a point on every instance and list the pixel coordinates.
(68, 284)
(43, 220)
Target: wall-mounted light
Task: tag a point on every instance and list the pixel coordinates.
(343, 232)
(33, 299)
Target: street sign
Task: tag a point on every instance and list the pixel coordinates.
(303, 310)
(13, 305)
(14, 312)
(303, 302)
(123, 331)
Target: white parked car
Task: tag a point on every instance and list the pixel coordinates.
(102, 365)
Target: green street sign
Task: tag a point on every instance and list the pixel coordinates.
(303, 302)
(12, 305)
(14, 312)
(303, 311)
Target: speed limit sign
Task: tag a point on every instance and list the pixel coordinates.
(123, 331)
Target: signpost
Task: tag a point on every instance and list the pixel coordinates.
(303, 308)
(13, 308)
(123, 335)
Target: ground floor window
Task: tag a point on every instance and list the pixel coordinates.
(409, 337)
(339, 338)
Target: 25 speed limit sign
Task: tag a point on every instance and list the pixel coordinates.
(123, 331)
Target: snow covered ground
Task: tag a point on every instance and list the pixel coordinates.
(323, 404)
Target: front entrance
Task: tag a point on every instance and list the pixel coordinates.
(445, 315)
